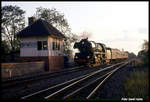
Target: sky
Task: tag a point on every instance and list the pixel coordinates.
(122, 25)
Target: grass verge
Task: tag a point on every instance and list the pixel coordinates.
(137, 84)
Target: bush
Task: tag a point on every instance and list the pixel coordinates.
(137, 85)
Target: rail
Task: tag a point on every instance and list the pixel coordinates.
(24, 80)
(55, 90)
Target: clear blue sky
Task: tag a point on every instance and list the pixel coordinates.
(122, 25)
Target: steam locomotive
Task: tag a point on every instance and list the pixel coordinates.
(92, 53)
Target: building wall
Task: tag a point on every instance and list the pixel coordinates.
(56, 62)
(36, 58)
(50, 47)
(32, 49)
(20, 69)
(54, 59)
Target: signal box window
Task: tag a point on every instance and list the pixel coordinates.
(42, 45)
(53, 45)
(56, 45)
(39, 45)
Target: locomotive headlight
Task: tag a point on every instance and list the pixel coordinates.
(76, 57)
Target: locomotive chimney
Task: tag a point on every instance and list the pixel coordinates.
(31, 20)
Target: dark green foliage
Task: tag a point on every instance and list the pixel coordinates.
(53, 17)
(137, 85)
(130, 55)
(143, 54)
(4, 48)
(13, 21)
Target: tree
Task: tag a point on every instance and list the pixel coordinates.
(13, 20)
(145, 45)
(58, 20)
(143, 54)
(130, 54)
(4, 50)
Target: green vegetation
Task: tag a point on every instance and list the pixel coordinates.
(137, 85)
(13, 21)
(143, 54)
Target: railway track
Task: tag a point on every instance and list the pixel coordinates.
(77, 87)
(26, 80)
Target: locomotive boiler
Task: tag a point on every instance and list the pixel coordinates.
(92, 53)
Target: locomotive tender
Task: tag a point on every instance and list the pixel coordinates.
(92, 53)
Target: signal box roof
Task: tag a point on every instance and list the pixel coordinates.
(40, 28)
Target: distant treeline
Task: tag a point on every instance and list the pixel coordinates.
(143, 54)
(131, 55)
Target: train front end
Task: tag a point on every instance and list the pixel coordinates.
(85, 54)
(80, 59)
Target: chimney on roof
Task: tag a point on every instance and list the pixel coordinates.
(31, 20)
